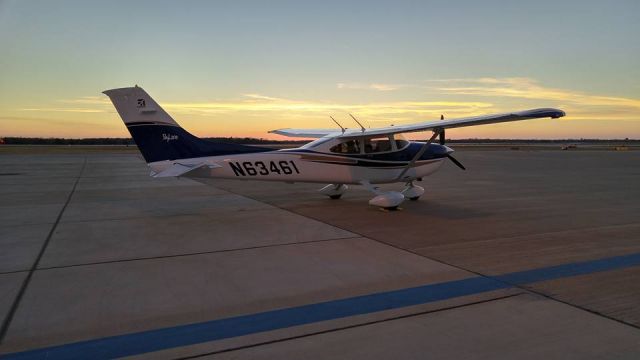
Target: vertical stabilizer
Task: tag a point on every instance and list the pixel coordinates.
(158, 136)
(134, 106)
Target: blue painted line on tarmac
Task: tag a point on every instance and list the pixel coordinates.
(183, 335)
(572, 269)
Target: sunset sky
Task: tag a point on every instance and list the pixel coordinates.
(241, 68)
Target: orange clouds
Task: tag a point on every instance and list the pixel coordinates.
(254, 114)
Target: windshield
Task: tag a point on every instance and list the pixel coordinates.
(401, 142)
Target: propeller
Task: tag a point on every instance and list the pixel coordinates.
(456, 162)
(442, 131)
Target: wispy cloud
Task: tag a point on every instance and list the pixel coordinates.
(61, 109)
(372, 86)
(515, 90)
(88, 100)
(579, 105)
(254, 104)
(258, 97)
(85, 104)
(527, 88)
(379, 110)
(454, 97)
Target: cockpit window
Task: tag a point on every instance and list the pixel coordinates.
(371, 145)
(377, 145)
(347, 147)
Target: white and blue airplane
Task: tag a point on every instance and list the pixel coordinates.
(338, 157)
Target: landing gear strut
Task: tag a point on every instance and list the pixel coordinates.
(413, 192)
(334, 191)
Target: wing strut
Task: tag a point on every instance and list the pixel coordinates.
(424, 147)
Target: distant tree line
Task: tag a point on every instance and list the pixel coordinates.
(249, 140)
(128, 141)
(62, 141)
(542, 141)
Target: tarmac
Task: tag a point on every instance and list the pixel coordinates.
(527, 254)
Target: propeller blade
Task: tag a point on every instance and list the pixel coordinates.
(442, 137)
(456, 162)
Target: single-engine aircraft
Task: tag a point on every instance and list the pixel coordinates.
(339, 157)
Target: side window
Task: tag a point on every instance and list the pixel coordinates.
(376, 145)
(347, 147)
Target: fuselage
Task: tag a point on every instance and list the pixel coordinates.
(318, 165)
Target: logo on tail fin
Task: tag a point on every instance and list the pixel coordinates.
(141, 103)
(169, 137)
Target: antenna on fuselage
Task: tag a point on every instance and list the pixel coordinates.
(334, 120)
(356, 120)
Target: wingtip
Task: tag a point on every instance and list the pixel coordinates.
(277, 131)
(559, 113)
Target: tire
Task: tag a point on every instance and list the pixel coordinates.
(391, 208)
(335, 197)
(414, 198)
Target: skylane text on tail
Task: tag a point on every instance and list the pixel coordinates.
(339, 157)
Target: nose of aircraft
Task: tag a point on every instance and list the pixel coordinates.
(438, 149)
(447, 149)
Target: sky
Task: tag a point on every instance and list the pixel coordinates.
(242, 68)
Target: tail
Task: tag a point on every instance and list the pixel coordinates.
(158, 136)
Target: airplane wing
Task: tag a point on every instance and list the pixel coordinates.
(305, 133)
(429, 125)
(181, 169)
(454, 123)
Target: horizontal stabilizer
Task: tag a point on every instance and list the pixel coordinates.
(178, 169)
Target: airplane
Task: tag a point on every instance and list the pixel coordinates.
(337, 157)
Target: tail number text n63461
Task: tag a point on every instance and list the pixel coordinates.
(254, 168)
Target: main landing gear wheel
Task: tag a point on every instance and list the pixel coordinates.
(334, 191)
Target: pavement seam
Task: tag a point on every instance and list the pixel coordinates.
(530, 290)
(574, 230)
(514, 285)
(206, 213)
(13, 272)
(25, 283)
(347, 327)
(25, 224)
(197, 253)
